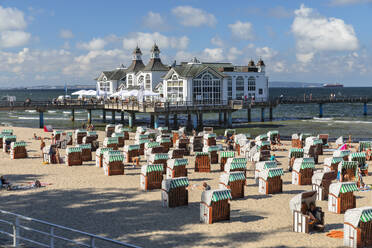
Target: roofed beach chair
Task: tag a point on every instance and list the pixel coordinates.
(320, 183)
(177, 167)
(263, 165)
(213, 152)
(73, 156)
(215, 206)
(341, 197)
(202, 162)
(160, 158)
(99, 155)
(224, 155)
(110, 129)
(79, 135)
(151, 176)
(358, 227)
(86, 152)
(113, 163)
(303, 169)
(235, 182)
(174, 192)
(270, 181)
(18, 150)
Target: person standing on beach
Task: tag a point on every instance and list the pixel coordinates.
(42, 145)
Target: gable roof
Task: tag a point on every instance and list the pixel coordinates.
(136, 66)
(193, 70)
(155, 64)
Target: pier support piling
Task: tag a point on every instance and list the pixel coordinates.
(229, 119)
(220, 118)
(225, 118)
(72, 114)
(113, 117)
(249, 113)
(195, 121)
(365, 109)
(104, 115)
(132, 119)
(200, 119)
(89, 116)
(41, 119)
(166, 120)
(320, 110)
(152, 121)
(271, 114)
(156, 121)
(122, 117)
(189, 122)
(262, 114)
(175, 121)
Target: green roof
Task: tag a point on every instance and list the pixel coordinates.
(358, 155)
(296, 152)
(306, 165)
(112, 140)
(179, 182)
(239, 160)
(350, 187)
(317, 141)
(91, 133)
(366, 215)
(7, 131)
(336, 160)
(118, 135)
(221, 195)
(211, 135)
(143, 136)
(154, 167)
(275, 172)
(226, 154)
(213, 148)
(10, 137)
(236, 177)
(133, 147)
(363, 145)
(113, 152)
(270, 165)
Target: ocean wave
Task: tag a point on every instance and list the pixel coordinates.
(52, 111)
(357, 122)
(30, 111)
(67, 112)
(322, 119)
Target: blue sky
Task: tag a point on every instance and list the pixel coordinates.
(53, 42)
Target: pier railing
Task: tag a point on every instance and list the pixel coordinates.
(18, 225)
(324, 99)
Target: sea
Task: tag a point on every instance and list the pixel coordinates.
(338, 119)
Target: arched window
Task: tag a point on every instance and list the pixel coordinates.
(239, 87)
(148, 82)
(130, 80)
(140, 81)
(207, 89)
(174, 77)
(251, 84)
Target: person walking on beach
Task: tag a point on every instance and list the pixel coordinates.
(42, 145)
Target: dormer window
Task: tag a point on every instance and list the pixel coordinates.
(174, 77)
(104, 78)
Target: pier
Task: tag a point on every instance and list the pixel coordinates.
(194, 111)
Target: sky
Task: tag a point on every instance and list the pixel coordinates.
(45, 42)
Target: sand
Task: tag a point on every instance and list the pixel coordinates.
(82, 197)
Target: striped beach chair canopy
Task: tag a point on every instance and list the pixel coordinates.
(358, 156)
(215, 195)
(229, 132)
(18, 144)
(121, 135)
(356, 215)
(114, 157)
(227, 154)
(332, 160)
(142, 141)
(305, 197)
(177, 162)
(272, 133)
(303, 163)
(261, 137)
(55, 132)
(266, 165)
(347, 165)
(341, 153)
(102, 150)
(128, 148)
(110, 140)
(365, 145)
(270, 173)
(211, 148)
(112, 153)
(151, 145)
(12, 138)
(85, 146)
(342, 187)
(7, 131)
(72, 149)
(145, 169)
(92, 133)
(262, 143)
(158, 156)
(197, 154)
(174, 183)
(233, 176)
(296, 152)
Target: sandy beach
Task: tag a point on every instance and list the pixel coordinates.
(82, 197)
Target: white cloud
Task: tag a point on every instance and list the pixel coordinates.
(213, 54)
(233, 54)
(13, 38)
(217, 41)
(348, 2)
(279, 66)
(154, 21)
(146, 41)
(66, 34)
(316, 33)
(95, 44)
(305, 57)
(11, 18)
(193, 17)
(242, 30)
(266, 52)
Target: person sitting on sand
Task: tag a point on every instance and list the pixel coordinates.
(3, 182)
(315, 215)
(206, 186)
(36, 137)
